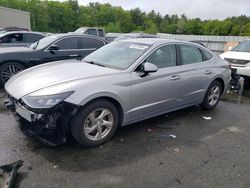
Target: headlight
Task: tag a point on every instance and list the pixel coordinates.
(46, 101)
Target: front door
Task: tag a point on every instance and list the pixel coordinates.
(157, 92)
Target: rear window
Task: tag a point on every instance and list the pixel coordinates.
(206, 55)
(190, 54)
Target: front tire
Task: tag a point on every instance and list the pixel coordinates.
(9, 69)
(212, 96)
(95, 124)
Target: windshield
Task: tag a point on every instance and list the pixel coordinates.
(119, 55)
(242, 47)
(40, 44)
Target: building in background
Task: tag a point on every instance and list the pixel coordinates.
(14, 18)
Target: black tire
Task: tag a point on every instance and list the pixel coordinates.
(5, 67)
(78, 123)
(205, 104)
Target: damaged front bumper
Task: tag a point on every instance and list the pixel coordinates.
(50, 126)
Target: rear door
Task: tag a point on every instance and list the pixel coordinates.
(69, 48)
(89, 44)
(196, 72)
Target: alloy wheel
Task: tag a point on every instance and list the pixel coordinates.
(214, 95)
(98, 124)
(10, 71)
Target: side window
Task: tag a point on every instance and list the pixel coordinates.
(163, 57)
(91, 32)
(206, 55)
(68, 43)
(30, 37)
(88, 43)
(12, 38)
(100, 32)
(190, 54)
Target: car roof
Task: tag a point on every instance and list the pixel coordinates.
(85, 27)
(61, 35)
(159, 41)
(150, 41)
(16, 32)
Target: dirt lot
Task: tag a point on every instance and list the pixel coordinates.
(205, 153)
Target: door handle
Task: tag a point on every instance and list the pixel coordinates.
(74, 55)
(175, 77)
(208, 72)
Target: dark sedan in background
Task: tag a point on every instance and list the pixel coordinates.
(19, 38)
(51, 48)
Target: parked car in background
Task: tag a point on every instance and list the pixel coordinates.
(7, 29)
(134, 35)
(239, 58)
(51, 48)
(121, 83)
(95, 31)
(19, 38)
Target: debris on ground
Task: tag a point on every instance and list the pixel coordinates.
(178, 180)
(161, 163)
(207, 117)
(8, 174)
(55, 166)
(172, 136)
(121, 139)
(233, 129)
(205, 161)
(177, 150)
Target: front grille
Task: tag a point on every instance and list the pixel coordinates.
(237, 61)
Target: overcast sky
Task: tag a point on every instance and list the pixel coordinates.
(205, 9)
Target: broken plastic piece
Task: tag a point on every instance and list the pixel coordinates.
(8, 174)
(172, 136)
(207, 117)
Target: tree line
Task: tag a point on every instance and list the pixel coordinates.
(55, 16)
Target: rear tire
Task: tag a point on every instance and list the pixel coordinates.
(95, 124)
(212, 96)
(9, 69)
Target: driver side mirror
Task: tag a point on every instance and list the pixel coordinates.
(230, 48)
(148, 68)
(53, 48)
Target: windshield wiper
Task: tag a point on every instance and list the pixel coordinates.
(94, 63)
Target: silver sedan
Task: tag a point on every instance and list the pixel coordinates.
(121, 83)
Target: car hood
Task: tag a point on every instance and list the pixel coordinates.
(236, 55)
(14, 49)
(51, 74)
